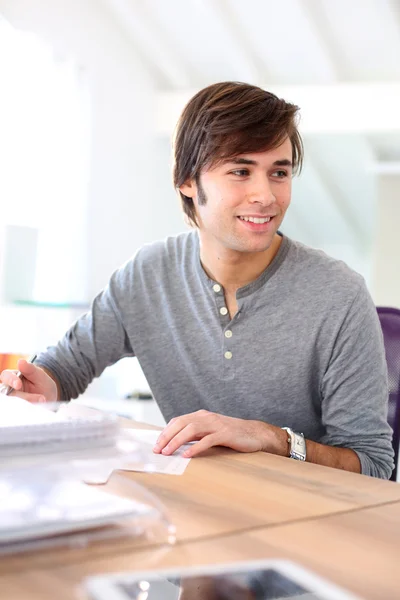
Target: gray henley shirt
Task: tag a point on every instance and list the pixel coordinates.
(304, 350)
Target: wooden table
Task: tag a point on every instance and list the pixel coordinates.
(229, 506)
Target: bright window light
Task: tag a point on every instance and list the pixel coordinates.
(44, 157)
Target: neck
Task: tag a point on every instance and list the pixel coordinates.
(233, 269)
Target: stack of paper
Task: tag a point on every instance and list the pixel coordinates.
(42, 458)
(27, 428)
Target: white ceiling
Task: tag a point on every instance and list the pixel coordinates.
(188, 44)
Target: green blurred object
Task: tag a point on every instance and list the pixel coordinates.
(135, 395)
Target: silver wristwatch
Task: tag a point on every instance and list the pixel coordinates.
(297, 444)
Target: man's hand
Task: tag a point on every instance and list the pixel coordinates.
(34, 386)
(211, 429)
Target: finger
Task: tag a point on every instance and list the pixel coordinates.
(204, 444)
(28, 370)
(187, 434)
(33, 398)
(169, 432)
(178, 423)
(9, 377)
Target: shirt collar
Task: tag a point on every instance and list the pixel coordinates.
(253, 286)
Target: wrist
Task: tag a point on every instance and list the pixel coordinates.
(56, 394)
(274, 440)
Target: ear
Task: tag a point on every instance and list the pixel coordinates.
(189, 188)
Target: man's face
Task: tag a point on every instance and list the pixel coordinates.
(240, 203)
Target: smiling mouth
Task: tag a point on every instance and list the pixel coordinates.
(257, 220)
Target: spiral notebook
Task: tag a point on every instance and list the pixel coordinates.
(25, 426)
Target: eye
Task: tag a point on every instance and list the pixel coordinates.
(240, 172)
(280, 174)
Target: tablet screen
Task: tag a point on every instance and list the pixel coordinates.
(266, 584)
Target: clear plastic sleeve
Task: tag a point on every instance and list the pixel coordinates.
(43, 509)
(48, 465)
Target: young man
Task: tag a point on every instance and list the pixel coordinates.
(240, 331)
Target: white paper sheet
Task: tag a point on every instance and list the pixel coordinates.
(171, 465)
(154, 463)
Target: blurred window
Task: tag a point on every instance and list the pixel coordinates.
(44, 158)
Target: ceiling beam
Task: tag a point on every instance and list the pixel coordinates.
(319, 20)
(222, 12)
(151, 41)
(339, 108)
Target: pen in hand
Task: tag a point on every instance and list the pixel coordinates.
(7, 389)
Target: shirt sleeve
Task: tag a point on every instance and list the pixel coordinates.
(95, 341)
(355, 389)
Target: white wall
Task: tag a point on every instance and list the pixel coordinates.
(126, 206)
(386, 262)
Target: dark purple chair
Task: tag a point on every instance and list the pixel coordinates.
(390, 323)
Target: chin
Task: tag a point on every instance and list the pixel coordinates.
(253, 248)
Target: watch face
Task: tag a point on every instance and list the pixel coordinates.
(299, 446)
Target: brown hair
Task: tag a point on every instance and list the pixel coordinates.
(224, 120)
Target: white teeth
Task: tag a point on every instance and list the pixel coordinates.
(256, 219)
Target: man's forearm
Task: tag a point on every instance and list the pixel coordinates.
(276, 442)
(332, 456)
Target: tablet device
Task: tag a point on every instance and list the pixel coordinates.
(252, 580)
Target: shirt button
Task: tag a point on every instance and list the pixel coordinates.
(228, 355)
(216, 288)
(228, 333)
(223, 310)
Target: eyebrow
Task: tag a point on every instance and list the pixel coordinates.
(285, 162)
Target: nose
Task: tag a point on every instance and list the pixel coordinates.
(261, 192)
